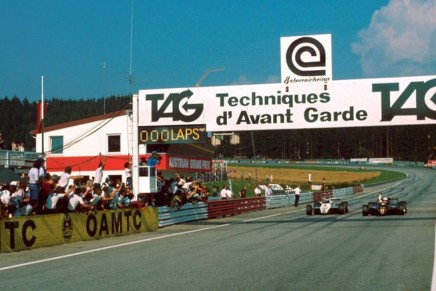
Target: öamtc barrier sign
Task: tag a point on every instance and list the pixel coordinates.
(344, 103)
(28, 232)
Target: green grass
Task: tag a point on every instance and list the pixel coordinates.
(385, 177)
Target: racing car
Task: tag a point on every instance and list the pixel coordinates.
(328, 206)
(387, 206)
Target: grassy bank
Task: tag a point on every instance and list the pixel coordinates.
(337, 177)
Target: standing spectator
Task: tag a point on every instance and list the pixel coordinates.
(309, 178)
(271, 178)
(98, 177)
(42, 169)
(257, 191)
(243, 192)
(223, 194)
(34, 184)
(64, 179)
(21, 147)
(154, 159)
(249, 176)
(297, 191)
(46, 189)
(2, 142)
(323, 185)
(267, 180)
(14, 146)
(128, 173)
(242, 176)
(229, 193)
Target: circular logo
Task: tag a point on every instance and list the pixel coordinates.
(306, 56)
(67, 227)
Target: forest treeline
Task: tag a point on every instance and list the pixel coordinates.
(18, 117)
(406, 143)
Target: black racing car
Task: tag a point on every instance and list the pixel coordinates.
(389, 206)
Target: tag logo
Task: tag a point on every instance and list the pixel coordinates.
(420, 95)
(176, 107)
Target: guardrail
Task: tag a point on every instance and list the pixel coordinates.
(188, 212)
(220, 208)
(10, 159)
(276, 201)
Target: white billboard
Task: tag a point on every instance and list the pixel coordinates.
(343, 103)
(306, 59)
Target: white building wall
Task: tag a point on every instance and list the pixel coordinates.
(89, 139)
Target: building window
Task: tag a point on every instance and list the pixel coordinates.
(57, 144)
(113, 144)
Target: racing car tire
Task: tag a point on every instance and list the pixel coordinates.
(402, 208)
(346, 207)
(405, 205)
(342, 208)
(365, 210)
(309, 209)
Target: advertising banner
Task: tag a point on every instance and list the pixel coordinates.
(343, 103)
(36, 231)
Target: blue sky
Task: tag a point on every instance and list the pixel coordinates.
(82, 48)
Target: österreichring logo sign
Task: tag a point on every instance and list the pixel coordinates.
(306, 59)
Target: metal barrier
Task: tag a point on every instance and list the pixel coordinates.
(188, 212)
(11, 159)
(222, 208)
(276, 201)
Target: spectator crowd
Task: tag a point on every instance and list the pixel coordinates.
(14, 146)
(38, 192)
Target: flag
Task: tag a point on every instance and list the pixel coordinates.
(39, 115)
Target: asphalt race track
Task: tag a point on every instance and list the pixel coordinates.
(279, 249)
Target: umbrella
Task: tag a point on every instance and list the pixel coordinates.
(7, 176)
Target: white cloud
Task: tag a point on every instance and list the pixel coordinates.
(400, 40)
(242, 80)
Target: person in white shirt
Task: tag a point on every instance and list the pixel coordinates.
(98, 177)
(226, 193)
(76, 199)
(128, 173)
(52, 202)
(257, 192)
(297, 192)
(65, 178)
(35, 176)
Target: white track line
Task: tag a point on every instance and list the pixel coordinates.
(128, 243)
(433, 279)
(107, 248)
